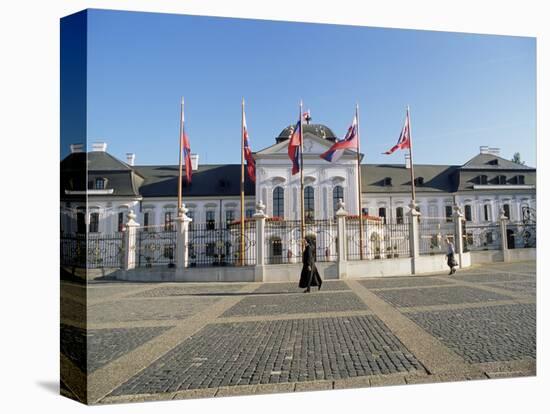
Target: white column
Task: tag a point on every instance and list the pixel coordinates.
(341, 214)
(260, 217)
(182, 238)
(459, 239)
(130, 244)
(503, 239)
(414, 246)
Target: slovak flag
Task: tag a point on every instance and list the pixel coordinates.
(250, 162)
(294, 147)
(350, 141)
(404, 141)
(186, 151)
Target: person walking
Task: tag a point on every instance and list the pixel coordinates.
(310, 275)
(451, 261)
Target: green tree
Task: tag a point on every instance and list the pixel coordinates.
(517, 159)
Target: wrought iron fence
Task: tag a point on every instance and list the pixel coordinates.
(105, 250)
(220, 245)
(284, 240)
(432, 233)
(521, 235)
(156, 246)
(380, 240)
(73, 250)
(481, 237)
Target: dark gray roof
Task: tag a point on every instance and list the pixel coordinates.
(322, 131)
(493, 162)
(208, 180)
(103, 161)
(437, 178)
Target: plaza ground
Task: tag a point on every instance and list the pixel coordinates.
(188, 340)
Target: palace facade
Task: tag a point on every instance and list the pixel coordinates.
(482, 186)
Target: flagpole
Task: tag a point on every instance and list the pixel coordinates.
(359, 184)
(242, 185)
(411, 156)
(302, 213)
(180, 175)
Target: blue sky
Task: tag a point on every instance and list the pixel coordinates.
(464, 90)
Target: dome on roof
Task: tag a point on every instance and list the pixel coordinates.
(319, 130)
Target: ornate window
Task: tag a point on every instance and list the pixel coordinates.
(448, 214)
(94, 222)
(229, 216)
(210, 220)
(468, 212)
(506, 208)
(120, 221)
(309, 203)
(168, 223)
(399, 215)
(278, 202)
(382, 213)
(337, 194)
(146, 220)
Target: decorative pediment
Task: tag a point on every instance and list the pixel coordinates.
(313, 145)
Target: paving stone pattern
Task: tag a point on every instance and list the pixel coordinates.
(191, 290)
(293, 304)
(528, 288)
(395, 282)
(437, 296)
(293, 287)
(487, 334)
(271, 352)
(145, 309)
(493, 277)
(102, 345)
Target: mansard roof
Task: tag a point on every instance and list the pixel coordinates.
(493, 162)
(210, 180)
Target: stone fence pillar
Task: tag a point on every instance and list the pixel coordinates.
(341, 260)
(130, 242)
(260, 217)
(459, 237)
(414, 236)
(182, 238)
(503, 236)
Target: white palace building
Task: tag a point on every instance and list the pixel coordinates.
(482, 187)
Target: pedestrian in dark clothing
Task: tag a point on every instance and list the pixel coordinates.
(310, 275)
(451, 261)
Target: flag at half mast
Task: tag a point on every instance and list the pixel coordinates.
(404, 141)
(250, 162)
(350, 141)
(294, 147)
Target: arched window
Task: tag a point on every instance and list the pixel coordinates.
(278, 202)
(309, 203)
(337, 194)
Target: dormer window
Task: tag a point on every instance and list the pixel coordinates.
(483, 179)
(501, 179)
(494, 162)
(99, 184)
(387, 182)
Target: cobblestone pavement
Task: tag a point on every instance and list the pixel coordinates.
(189, 340)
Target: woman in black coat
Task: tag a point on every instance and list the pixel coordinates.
(309, 276)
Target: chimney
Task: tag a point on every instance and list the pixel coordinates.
(494, 151)
(489, 150)
(194, 162)
(408, 161)
(77, 148)
(130, 158)
(99, 146)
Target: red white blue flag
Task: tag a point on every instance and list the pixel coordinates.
(250, 162)
(404, 140)
(186, 150)
(350, 141)
(294, 147)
